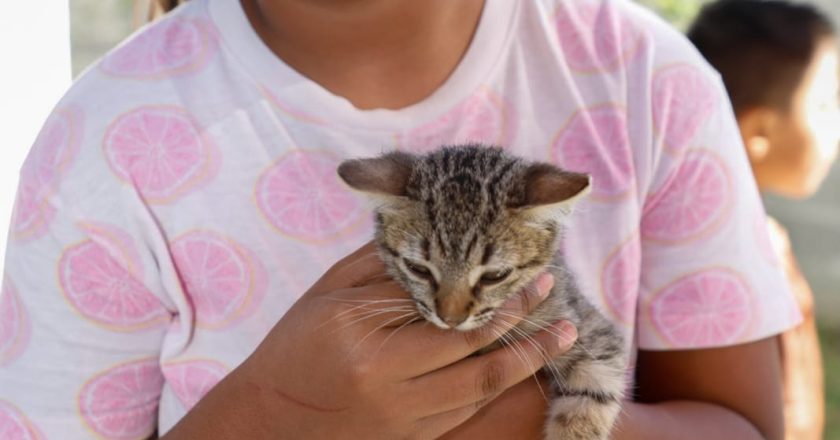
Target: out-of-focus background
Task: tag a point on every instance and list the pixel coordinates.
(95, 26)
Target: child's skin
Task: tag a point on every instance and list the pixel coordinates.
(389, 54)
(791, 152)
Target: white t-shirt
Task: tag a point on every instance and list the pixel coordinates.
(183, 195)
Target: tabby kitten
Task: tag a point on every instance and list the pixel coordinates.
(466, 227)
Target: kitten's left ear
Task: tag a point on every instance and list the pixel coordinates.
(384, 175)
(548, 188)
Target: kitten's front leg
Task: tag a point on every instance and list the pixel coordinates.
(587, 394)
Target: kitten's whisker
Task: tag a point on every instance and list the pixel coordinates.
(380, 327)
(519, 351)
(549, 363)
(394, 332)
(365, 310)
(365, 304)
(370, 314)
(545, 325)
(345, 300)
(509, 342)
(379, 309)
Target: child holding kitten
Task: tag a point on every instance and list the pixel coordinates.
(172, 260)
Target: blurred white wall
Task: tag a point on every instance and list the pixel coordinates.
(35, 48)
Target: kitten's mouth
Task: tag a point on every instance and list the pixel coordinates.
(472, 322)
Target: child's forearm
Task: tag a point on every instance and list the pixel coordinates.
(519, 413)
(685, 420)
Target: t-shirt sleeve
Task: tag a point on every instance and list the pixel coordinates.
(81, 324)
(709, 276)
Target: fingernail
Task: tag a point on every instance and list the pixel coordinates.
(544, 284)
(566, 333)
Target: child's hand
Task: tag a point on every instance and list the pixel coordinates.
(323, 372)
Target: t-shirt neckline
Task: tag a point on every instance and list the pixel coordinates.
(294, 94)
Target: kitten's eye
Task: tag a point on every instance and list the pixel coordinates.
(495, 276)
(418, 269)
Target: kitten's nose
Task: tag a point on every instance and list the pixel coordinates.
(454, 308)
(453, 321)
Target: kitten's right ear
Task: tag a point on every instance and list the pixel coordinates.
(384, 175)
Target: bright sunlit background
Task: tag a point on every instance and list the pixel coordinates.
(35, 75)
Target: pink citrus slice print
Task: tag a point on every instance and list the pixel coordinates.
(191, 380)
(223, 280)
(32, 213)
(121, 403)
(117, 242)
(15, 426)
(302, 197)
(683, 99)
(160, 151)
(620, 280)
(52, 153)
(595, 37)
(484, 118)
(170, 47)
(101, 288)
(712, 307)
(693, 202)
(14, 324)
(595, 141)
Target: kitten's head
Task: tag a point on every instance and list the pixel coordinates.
(464, 228)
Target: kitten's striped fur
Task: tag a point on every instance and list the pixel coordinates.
(463, 229)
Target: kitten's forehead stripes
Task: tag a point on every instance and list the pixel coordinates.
(471, 245)
(457, 218)
(424, 245)
(488, 253)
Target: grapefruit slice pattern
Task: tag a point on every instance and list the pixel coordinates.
(14, 324)
(620, 280)
(121, 403)
(595, 142)
(191, 380)
(595, 37)
(117, 242)
(223, 280)
(15, 426)
(483, 118)
(54, 150)
(712, 307)
(683, 99)
(302, 197)
(169, 47)
(693, 202)
(97, 281)
(160, 151)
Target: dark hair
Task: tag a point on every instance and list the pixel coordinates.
(149, 10)
(168, 5)
(761, 48)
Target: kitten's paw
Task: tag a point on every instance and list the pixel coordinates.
(581, 418)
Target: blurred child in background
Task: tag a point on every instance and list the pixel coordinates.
(779, 63)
